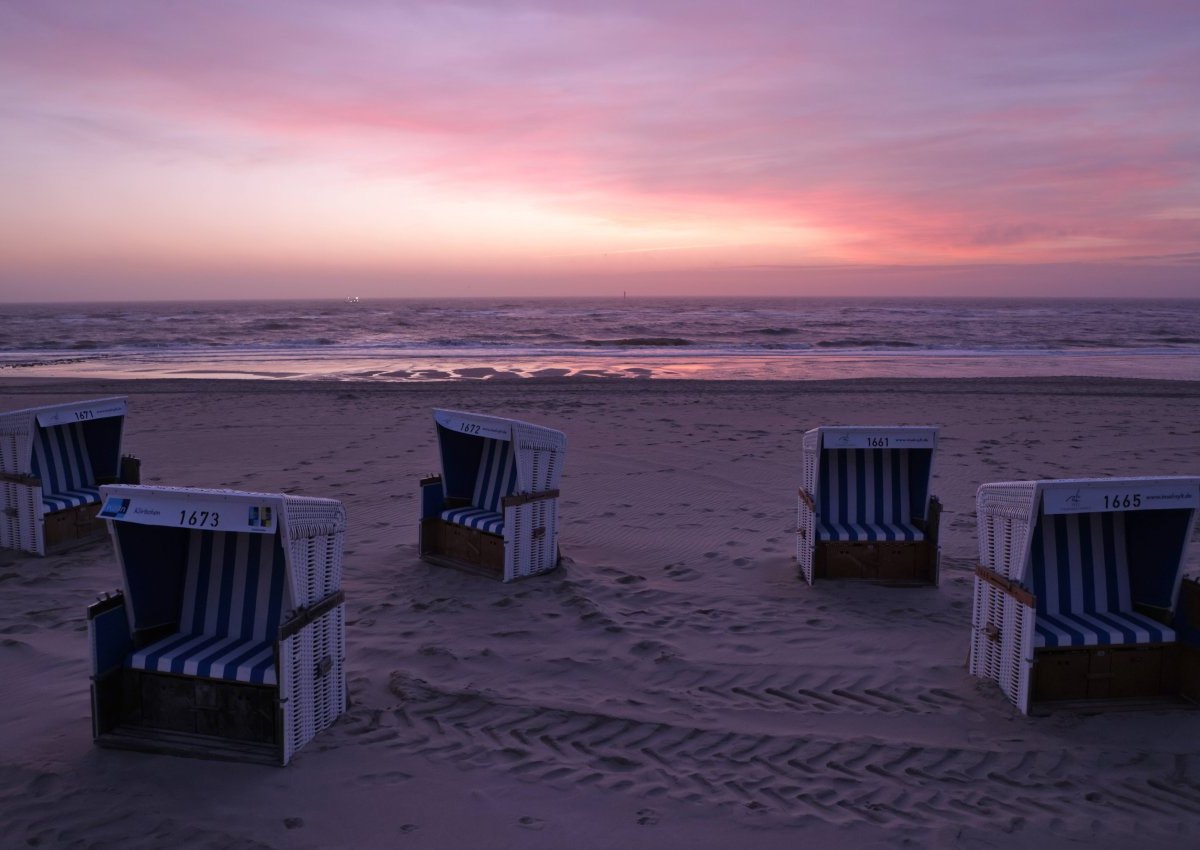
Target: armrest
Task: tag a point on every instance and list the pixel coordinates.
(808, 500)
(108, 630)
(1159, 613)
(1010, 587)
(305, 616)
(20, 478)
(432, 497)
(524, 498)
(930, 525)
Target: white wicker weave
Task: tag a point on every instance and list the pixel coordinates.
(1003, 623)
(530, 527)
(310, 660)
(823, 438)
(22, 511)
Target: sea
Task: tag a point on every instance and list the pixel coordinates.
(636, 338)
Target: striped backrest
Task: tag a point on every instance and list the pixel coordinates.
(60, 458)
(1079, 563)
(234, 585)
(866, 485)
(497, 476)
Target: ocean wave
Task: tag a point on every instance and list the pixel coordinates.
(647, 341)
(863, 342)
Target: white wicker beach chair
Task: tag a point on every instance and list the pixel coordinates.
(52, 461)
(865, 510)
(1079, 593)
(228, 638)
(494, 508)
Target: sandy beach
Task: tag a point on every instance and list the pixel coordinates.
(673, 685)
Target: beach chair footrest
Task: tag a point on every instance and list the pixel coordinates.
(72, 526)
(233, 712)
(453, 545)
(899, 562)
(1143, 671)
(165, 742)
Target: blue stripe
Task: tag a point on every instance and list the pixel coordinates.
(898, 459)
(1037, 564)
(250, 650)
(510, 486)
(278, 578)
(1088, 564)
(250, 588)
(843, 508)
(228, 569)
(1116, 625)
(78, 446)
(1077, 636)
(63, 456)
(485, 472)
(165, 647)
(860, 486)
(1062, 573)
(1108, 529)
(51, 471)
(258, 674)
(824, 487)
(203, 578)
(206, 655)
(881, 504)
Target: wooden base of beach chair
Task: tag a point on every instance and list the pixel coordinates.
(449, 545)
(1141, 672)
(163, 742)
(890, 562)
(73, 527)
(185, 715)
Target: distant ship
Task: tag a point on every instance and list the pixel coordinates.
(352, 299)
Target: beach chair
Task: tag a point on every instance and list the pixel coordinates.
(864, 510)
(228, 638)
(1079, 593)
(494, 508)
(52, 461)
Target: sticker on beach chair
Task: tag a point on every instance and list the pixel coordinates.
(201, 513)
(84, 412)
(881, 439)
(479, 426)
(1104, 497)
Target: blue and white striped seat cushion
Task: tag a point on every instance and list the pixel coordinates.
(865, 494)
(1080, 576)
(472, 517)
(61, 462)
(232, 609)
(496, 478)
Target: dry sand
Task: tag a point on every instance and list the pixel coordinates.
(675, 685)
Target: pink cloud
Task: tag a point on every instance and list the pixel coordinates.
(1013, 132)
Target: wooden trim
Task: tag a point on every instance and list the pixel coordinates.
(807, 498)
(431, 479)
(305, 616)
(525, 498)
(1010, 587)
(20, 478)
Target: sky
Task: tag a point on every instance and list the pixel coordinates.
(159, 149)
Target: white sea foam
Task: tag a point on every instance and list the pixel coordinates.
(707, 338)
